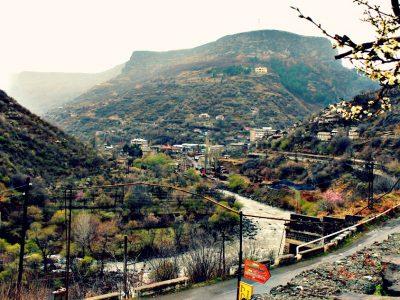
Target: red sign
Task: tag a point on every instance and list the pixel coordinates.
(256, 271)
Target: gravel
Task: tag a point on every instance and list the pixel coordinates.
(360, 274)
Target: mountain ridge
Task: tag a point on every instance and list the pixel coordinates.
(302, 78)
(31, 146)
(41, 91)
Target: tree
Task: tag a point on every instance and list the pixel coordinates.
(133, 151)
(378, 59)
(223, 222)
(84, 227)
(103, 242)
(46, 239)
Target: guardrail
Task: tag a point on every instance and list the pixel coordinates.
(110, 296)
(157, 286)
(349, 229)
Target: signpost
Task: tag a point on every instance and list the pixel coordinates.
(256, 271)
(245, 291)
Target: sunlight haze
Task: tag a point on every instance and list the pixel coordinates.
(92, 36)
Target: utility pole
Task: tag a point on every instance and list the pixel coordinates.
(223, 255)
(68, 262)
(370, 173)
(23, 234)
(126, 292)
(239, 275)
(206, 158)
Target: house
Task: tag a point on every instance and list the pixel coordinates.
(204, 116)
(328, 118)
(140, 142)
(354, 134)
(171, 149)
(324, 136)
(334, 132)
(261, 70)
(257, 134)
(220, 117)
(217, 148)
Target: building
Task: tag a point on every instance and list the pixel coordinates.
(140, 142)
(354, 134)
(328, 117)
(257, 134)
(334, 132)
(220, 117)
(261, 70)
(324, 136)
(204, 116)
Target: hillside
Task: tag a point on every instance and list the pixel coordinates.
(41, 91)
(31, 146)
(161, 94)
(377, 136)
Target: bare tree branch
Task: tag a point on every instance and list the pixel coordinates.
(396, 8)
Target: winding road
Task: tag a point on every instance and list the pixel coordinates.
(226, 290)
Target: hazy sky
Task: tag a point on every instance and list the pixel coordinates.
(94, 35)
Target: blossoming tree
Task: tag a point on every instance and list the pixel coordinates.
(378, 59)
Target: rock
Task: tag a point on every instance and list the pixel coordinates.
(391, 274)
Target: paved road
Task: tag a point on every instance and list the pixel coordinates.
(227, 290)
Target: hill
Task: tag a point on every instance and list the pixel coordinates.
(31, 146)
(329, 134)
(41, 91)
(171, 96)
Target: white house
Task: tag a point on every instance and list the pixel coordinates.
(204, 116)
(354, 134)
(261, 70)
(140, 142)
(324, 136)
(257, 134)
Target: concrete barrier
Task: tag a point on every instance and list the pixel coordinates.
(284, 260)
(312, 252)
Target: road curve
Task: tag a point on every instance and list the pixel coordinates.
(227, 290)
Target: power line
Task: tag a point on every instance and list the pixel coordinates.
(14, 188)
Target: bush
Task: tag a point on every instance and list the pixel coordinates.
(382, 184)
(394, 167)
(361, 190)
(333, 197)
(292, 171)
(237, 182)
(164, 269)
(340, 145)
(202, 263)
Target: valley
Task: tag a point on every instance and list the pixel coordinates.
(256, 165)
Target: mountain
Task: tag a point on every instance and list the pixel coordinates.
(171, 96)
(41, 91)
(31, 146)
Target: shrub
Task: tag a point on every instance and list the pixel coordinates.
(382, 184)
(394, 167)
(292, 171)
(340, 145)
(333, 197)
(202, 263)
(237, 182)
(164, 269)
